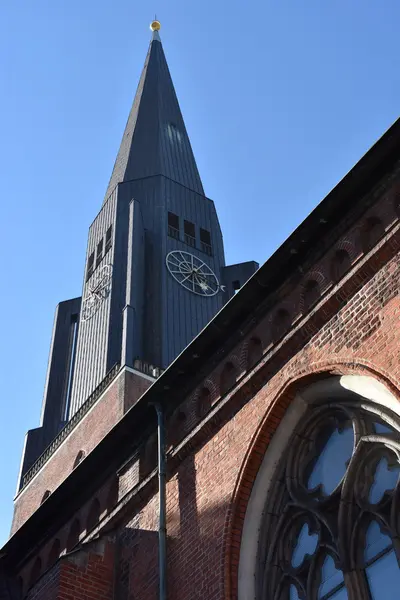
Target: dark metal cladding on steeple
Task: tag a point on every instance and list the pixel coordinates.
(154, 124)
(155, 270)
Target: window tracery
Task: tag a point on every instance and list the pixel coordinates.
(331, 522)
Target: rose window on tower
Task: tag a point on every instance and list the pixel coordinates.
(332, 519)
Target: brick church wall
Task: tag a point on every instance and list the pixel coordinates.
(82, 575)
(342, 322)
(123, 392)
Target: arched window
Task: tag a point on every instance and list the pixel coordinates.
(311, 294)
(149, 456)
(73, 536)
(371, 232)
(112, 496)
(228, 378)
(54, 553)
(45, 496)
(79, 458)
(330, 526)
(94, 515)
(36, 571)
(203, 402)
(254, 352)
(280, 324)
(176, 427)
(341, 263)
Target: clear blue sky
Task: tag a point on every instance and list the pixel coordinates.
(281, 98)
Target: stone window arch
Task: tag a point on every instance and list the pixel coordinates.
(93, 515)
(73, 535)
(328, 525)
(149, 456)
(203, 402)
(280, 324)
(254, 352)
(54, 553)
(311, 293)
(79, 458)
(112, 496)
(228, 378)
(371, 232)
(341, 263)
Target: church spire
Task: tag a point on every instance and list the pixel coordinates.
(155, 141)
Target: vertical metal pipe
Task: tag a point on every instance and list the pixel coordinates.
(162, 523)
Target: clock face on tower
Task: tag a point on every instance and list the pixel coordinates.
(192, 273)
(98, 289)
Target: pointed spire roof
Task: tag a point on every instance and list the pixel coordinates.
(155, 141)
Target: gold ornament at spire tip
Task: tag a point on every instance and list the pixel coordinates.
(155, 25)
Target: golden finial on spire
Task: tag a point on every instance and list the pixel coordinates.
(155, 25)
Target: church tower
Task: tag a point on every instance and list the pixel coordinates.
(155, 271)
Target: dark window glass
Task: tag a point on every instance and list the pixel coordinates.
(205, 241)
(190, 233)
(173, 225)
(90, 266)
(108, 239)
(189, 228)
(205, 236)
(99, 253)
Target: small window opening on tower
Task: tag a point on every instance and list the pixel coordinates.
(173, 132)
(99, 253)
(173, 225)
(90, 266)
(108, 239)
(190, 233)
(205, 241)
(236, 286)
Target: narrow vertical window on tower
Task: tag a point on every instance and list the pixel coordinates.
(205, 241)
(173, 133)
(173, 225)
(90, 267)
(190, 233)
(108, 240)
(73, 336)
(99, 252)
(336, 496)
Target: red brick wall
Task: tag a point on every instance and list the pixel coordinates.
(84, 575)
(207, 495)
(123, 392)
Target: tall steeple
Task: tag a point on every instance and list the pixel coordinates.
(155, 140)
(155, 270)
